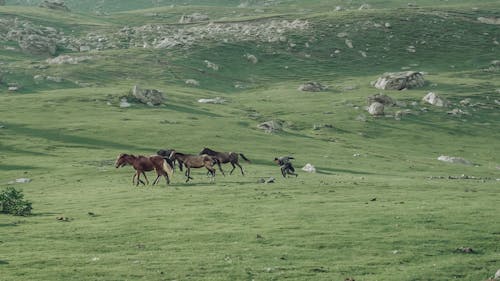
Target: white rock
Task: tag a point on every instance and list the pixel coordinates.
(192, 82)
(216, 100)
(349, 43)
(124, 103)
(23, 180)
(434, 99)
(451, 159)
(497, 274)
(309, 168)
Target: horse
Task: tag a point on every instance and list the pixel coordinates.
(141, 164)
(165, 153)
(225, 157)
(194, 161)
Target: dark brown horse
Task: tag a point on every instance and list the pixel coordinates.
(141, 164)
(166, 154)
(226, 157)
(194, 161)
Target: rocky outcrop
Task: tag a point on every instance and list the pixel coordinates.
(148, 96)
(65, 59)
(54, 5)
(400, 80)
(456, 160)
(216, 100)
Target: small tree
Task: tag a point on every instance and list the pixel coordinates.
(11, 202)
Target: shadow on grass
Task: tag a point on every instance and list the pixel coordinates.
(2, 262)
(59, 136)
(7, 224)
(16, 167)
(191, 110)
(12, 149)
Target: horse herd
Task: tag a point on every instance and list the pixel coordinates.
(163, 163)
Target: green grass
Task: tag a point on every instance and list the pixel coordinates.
(381, 206)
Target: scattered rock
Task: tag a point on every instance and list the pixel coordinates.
(457, 111)
(489, 20)
(348, 43)
(381, 98)
(55, 79)
(13, 88)
(148, 96)
(465, 102)
(54, 5)
(211, 65)
(365, 7)
(434, 99)
(65, 59)
(373, 199)
(400, 80)
(216, 100)
(456, 160)
(65, 219)
(309, 168)
(312, 87)
(497, 274)
(192, 82)
(400, 113)
(465, 250)
(376, 109)
(271, 126)
(37, 44)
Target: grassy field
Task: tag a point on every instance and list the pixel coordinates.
(380, 207)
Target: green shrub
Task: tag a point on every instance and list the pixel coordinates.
(11, 202)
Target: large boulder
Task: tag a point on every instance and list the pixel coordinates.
(400, 80)
(434, 99)
(148, 96)
(196, 17)
(54, 5)
(376, 109)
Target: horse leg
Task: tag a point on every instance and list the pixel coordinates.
(133, 178)
(156, 180)
(220, 168)
(283, 171)
(188, 172)
(139, 178)
(240, 168)
(145, 177)
(167, 178)
(234, 167)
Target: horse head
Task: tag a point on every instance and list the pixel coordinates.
(123, 159)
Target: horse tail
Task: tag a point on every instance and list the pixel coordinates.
(244, 158)
(168, 167)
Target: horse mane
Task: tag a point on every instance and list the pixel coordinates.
(206, 149)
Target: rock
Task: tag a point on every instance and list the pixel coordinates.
(23, 180)
(195, 17)
(54, 5)
(37, 44)
(400, 80)
(434, 99)
(65, 59)
(271, 126)
(387, 25)
(456, 160)
(13, 89)
(309, 168)
(465, 250)
(55, 79)
(376, 109)
(348, 42)
(216, 100)
(465, 102)
(148, 96)
(124, 103)
(497, 274)
(489, 20)
(270, 180)
(312, 87)
(211, 65)
(251, 58)
(381, 98)
(457, 111)
(365, 7)
(192, 82)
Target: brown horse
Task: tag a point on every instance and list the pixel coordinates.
(141, 164)
(194, 161)
(226, 157)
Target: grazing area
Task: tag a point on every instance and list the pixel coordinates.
(390, 111)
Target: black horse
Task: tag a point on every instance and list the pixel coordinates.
(225, 157)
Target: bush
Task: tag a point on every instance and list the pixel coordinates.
(11, 202)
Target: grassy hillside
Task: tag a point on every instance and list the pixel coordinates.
(380, 207)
